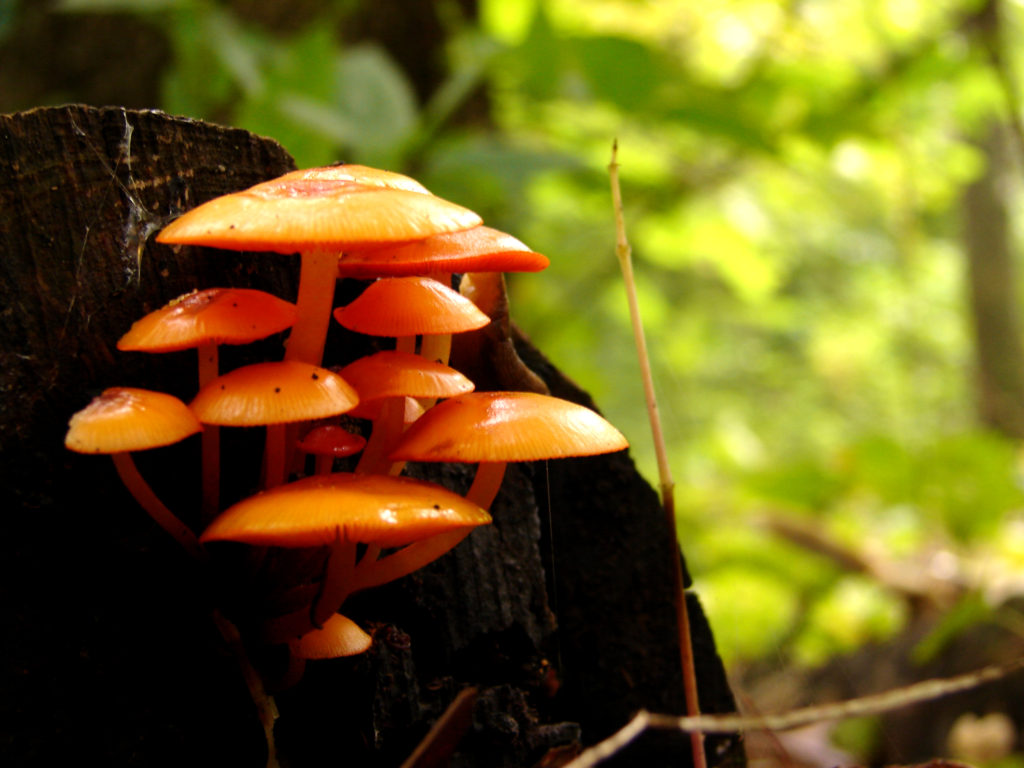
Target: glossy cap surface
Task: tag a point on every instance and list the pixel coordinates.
(273, 393)
(214, 315)
(507, 426)
(379, 509)
(126, 419)
(394, 374)
(294, 214)
(480, 249)
(410, 306)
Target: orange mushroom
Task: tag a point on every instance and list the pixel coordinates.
(493, 428)
(479, 249)
(329, 442)
(339, 636)
(319, 216)
(392, 376)
(340, 510)
(273, 394)
(203, 320)
(405, 307)
(125, 419)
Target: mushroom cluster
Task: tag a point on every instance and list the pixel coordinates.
(373, 525)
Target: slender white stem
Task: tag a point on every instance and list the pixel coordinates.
(436, 347)
(317, 280)
(387, 429)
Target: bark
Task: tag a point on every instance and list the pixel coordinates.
(560, 613)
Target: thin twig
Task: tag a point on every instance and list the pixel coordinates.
(875, 704)
(625, 256)
(444, 736)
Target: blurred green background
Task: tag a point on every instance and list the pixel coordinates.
(823, 200)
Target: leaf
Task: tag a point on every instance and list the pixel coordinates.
(618, 70)
(373, 93)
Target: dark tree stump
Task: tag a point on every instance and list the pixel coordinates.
(109, 647)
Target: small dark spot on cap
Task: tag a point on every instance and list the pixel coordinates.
(223, 387)
(316, 376)
(276, 390)
(437, 506)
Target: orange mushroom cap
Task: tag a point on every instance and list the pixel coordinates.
(124, 419)
(394, 374)
(332, 440)
(359, 174)
(410, 306)
(214, 315)
(480, 249)
(295, 214)
(273, 393)
(507, 426)
(339, 636)
(378, 509)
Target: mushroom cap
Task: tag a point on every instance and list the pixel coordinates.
(339, 636)
(507, 426)
(395, 374)
(124, 419)
(359, 174)
(410, 306)
(214, 315)
(294, 214)
(332, 440)
(372, 509)
(273, 393)
(479, 249)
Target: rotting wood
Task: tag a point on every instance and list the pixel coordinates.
(110, 649)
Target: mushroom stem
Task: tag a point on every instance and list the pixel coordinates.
(209, 368)
(337, 582)
(156, 509)
(324, 464)
(436, 347)
(406, 560)
(486, 483)
(386, 431)
(317, 278)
